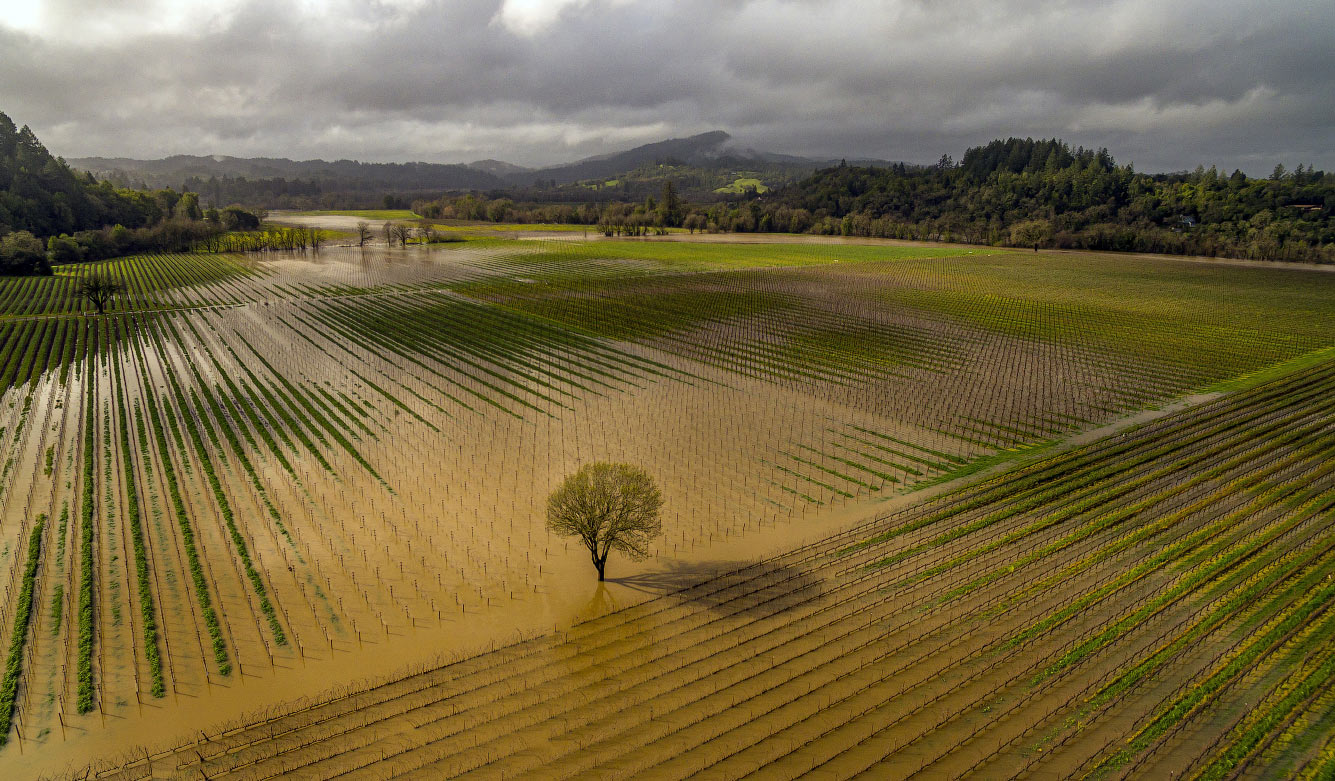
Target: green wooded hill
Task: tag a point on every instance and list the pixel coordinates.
(1082, 198)
(50, 213)
(40, 194)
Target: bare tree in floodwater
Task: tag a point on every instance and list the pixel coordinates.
(401, 233)
(99, 290)
(608, 507)
(363, 233)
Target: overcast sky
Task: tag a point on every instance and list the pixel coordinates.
(1165, 84)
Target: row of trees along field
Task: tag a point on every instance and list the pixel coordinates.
(613, 218)
(1017, 192)
(51, 214)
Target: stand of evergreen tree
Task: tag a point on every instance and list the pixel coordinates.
(51, 214)
(1070, 198)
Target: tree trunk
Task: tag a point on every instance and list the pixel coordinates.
(602, 565)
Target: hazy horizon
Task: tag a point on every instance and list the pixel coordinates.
(543, 83)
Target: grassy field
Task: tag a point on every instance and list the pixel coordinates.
(488, 228)
(742, 184)
(575, 261)
(307, 468)
(369, 214)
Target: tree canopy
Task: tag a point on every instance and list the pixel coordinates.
(99, 289)
(50, 213)
(1089, 201)
(609, 507)
(22, 254)
(40, 194)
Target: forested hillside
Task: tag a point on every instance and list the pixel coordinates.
(50, 213)
(283, 183)
(699, 166)
(40, 194)
(1022, 191)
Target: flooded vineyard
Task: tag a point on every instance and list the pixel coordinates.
(262, 476)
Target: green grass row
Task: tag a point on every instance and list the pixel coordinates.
(1226, 509)
(156, 414)
(22, 614)
(87, 575)
(134, 519)
(205, 461)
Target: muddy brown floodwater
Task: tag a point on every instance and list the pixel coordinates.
(339, 468)
(568, 596)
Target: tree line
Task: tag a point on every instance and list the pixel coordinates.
(612, 218)
(1017, 192)
(1023, 192)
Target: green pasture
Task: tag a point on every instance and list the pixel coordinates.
(513, 227)
(742, 184)
(670, 255)
(369, 214)
(1223, 319)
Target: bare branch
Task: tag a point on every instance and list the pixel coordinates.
(99, 289)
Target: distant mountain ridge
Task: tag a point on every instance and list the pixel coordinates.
(172, 171)
(498, 167)
(712, 150)
(693, 150)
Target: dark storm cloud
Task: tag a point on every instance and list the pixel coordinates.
(1165, 85)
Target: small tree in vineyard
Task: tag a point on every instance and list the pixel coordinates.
(608, 507)
(99, 289)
